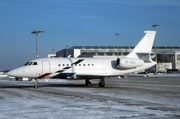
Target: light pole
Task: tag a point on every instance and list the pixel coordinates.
(117, 34)
(155, 36)
(155, 46)
(53, 53)
(66, 51)
(37, 32)
(29, 57)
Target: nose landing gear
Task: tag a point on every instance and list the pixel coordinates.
(35, 83)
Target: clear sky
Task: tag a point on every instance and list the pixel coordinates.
(81, 23)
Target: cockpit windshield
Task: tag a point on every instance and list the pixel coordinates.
(26, 64)
(30, 63)
(35, 63)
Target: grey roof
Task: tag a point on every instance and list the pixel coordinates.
(124, 47)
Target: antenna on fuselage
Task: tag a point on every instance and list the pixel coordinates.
(69, 56)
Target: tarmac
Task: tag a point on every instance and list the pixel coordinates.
(130, 97)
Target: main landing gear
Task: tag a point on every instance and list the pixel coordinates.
(88, 83)
(101, 83)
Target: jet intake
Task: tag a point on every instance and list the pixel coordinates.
(128, 63)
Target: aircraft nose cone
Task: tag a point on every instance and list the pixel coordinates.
(15, 73)
(11, 73)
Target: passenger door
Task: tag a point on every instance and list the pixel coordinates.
(45, 67)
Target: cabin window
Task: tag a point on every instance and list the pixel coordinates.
(92, 64)
(88, 64)
(63, 65)
(59, 65)
(84, 65)
(67, 65)
(35, 63)
(79, 64)
(26, 64)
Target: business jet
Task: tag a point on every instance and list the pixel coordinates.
(89, 68)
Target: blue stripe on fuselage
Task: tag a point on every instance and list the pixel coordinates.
(63, 75)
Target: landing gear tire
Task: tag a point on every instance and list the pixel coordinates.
(35, 86)
(88, 83)
(101, 84)
(35, 83)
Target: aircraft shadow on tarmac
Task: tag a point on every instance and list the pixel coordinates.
(49, 85)
(53, 85)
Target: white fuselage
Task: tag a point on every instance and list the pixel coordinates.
(74, 68)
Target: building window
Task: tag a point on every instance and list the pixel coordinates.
(178, 57)
(172, 57)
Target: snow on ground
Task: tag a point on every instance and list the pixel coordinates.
(122, 100)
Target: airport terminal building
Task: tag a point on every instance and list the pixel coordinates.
(168, 57)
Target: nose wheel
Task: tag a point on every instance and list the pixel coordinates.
(35, 83)
(35, 86)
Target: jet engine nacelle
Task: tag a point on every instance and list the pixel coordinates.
(128, 63)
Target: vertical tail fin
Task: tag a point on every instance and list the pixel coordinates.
(144, 46)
